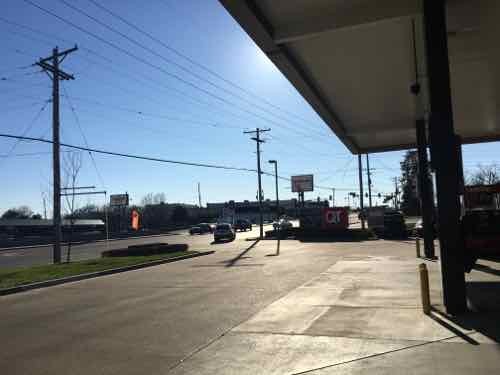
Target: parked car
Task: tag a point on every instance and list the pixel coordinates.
(242, 225)
(201, 229)
(224, 231)
(418, 229)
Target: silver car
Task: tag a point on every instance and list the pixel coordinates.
(224, 231)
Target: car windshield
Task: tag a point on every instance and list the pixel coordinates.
(223, 227)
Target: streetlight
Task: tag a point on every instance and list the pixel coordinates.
(276, 182)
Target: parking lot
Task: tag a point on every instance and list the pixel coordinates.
(256, 307)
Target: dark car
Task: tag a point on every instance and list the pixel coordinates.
(201, 229)
(242, 225)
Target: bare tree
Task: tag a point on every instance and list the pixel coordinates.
(159, 198)
(484, 175)
(151, 198)
(147, 199)
(72, 164)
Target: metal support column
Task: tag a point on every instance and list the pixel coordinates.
(444, 156)
(425, 190)
(361, 205)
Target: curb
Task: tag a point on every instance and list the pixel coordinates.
(69, 279)
(87, 242)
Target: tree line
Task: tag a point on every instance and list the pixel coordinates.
(483, 174)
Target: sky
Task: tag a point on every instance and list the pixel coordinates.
(139, 96)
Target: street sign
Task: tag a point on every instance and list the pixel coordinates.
(118, 200)
(302, 183)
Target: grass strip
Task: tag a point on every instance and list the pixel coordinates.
(26, 275)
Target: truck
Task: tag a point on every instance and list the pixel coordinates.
(480, 223)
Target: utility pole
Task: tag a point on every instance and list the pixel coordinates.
(44, 202)
(199, 195)
(275, 162)
(259, 173)
(396, 193)
(56, 74)
(369, 181)
(333, 197)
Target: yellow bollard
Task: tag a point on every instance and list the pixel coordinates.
(417, 245)
(424, 288)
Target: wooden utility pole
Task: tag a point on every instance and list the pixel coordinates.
(369, 175)
(259, 173)
(396, 193)
(56, 74)
(199, 195)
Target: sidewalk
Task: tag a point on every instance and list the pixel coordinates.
(361, 316)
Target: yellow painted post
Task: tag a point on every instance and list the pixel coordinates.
(417, 245)
(424, 288)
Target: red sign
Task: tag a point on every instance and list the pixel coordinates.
(135, 220)
(335, 218)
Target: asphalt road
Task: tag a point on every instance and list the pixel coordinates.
(29, 256)
(148, 321)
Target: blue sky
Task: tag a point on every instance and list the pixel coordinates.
(176, 120)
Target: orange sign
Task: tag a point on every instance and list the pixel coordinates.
(135, 220)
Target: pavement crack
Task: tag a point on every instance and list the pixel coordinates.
(377, 355)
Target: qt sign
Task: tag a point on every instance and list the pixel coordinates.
(335, 218)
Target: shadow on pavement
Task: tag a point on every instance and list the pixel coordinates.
(487, 269)
(277, 250)
(220, 242)
(484, 304)
(440, 319)
(232, 262)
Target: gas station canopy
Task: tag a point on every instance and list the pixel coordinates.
(354, 61)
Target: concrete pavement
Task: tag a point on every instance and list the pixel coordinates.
(318, 307)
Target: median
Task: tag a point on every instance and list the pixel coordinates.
(19, 279)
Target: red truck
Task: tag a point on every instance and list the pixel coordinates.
(481, 221)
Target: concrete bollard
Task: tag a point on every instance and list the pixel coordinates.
(417, 247)
(424, 288)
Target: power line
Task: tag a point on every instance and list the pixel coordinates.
(144, 78)
(49, 35)
(77, 120)
(159, 68)
(28, 128)
(130, 156)
(149, 158)
(190, 60)
(142, 113)
(28, 154)
(21, 107)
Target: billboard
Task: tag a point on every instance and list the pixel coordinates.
(118, 200)
(302, 183)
